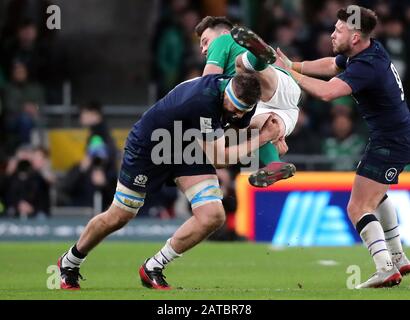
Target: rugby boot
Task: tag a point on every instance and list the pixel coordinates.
(154, 279)
(70, 277)
(251, 41)
(382, 279)
(402, 264)
(273, 172)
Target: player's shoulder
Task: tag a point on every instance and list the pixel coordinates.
(203, 90)
(374, 56)
(224, 40)
(213, 83)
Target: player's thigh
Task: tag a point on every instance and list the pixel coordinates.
(258, 120)
(269, 83)
(200, 185)
(127, 200)
(205, 196)
(365, 196)
(138, 176)
(186, 182)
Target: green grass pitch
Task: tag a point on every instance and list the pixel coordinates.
(230, 271)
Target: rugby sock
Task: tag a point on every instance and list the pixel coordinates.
(73, 258)
(163, 257)
(372, 234)
(252, 63)
(386, 214)
(268, 153)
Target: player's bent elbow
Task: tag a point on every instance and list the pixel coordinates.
(326, 97)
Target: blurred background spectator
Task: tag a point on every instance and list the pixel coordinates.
(97, 171)
(27, 183)
(343, 147)
(21, 102)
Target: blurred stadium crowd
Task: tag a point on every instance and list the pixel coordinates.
(33, 67)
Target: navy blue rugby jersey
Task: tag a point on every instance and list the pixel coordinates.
(377, 89)
(195, 104)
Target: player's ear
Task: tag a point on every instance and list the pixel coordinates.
(356, 37)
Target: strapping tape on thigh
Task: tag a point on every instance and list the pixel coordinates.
(128, 199)
(204, 192)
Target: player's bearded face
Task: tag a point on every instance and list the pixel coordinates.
(229, 116)
(341, 38)
(230, 113)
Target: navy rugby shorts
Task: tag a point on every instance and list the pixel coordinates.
(385, 158)
(140, 174)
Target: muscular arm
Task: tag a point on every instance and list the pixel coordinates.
(212, 69)
(323, 90)
(222, 157)
(325, 67)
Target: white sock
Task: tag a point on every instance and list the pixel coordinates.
(71, 261)
(247, 64)
(163, 257)
(386, 214)
(373, 236)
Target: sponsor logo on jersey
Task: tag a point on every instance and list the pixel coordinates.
(206, 125)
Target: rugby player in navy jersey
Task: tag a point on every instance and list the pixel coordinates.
(206, 105)
(363, 69)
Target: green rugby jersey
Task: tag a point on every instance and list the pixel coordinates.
(222, 52)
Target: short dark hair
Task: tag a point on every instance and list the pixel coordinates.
(212, 22)
(94, 106)
(368, 19)
(247, 87)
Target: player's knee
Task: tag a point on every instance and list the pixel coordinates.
(115, 218)
(351, 210)
(356, 210)
(214, 219)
